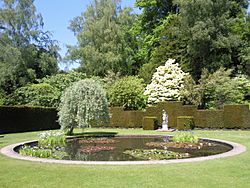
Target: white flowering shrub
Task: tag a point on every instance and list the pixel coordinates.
(166, 83)
(84, 104)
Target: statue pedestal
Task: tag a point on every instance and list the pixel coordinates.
(165, 127)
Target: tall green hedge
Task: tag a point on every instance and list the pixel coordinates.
(21, 119)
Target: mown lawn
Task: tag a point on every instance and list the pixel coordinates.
(227, 172)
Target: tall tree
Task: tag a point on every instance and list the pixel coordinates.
(150, 24)
(26, 52)
(104, 42)
(199, 34)
(210, 40)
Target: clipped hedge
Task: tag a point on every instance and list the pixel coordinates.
(15, 119)
(185, 122)
(150, 123)
(232, 116)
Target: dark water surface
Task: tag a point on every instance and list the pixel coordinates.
(76, 149)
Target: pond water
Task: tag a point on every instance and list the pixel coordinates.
(114, 149)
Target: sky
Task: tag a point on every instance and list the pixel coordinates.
(57, 15)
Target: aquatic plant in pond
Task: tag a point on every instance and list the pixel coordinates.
(155, 154)
(50, 145)
(94, 149)
(51, 139)
(42, 152)
(184, 145)
(96, 141)
(185, 137)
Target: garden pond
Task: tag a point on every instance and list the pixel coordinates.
(130, 148)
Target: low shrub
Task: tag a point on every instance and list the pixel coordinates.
(128, 93)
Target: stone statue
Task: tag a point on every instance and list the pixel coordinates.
(164, 120)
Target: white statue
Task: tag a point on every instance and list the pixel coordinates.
(164, 120)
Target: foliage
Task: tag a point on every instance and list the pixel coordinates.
(167, 46)
(155, 154)
(47, 92)
(104, 42)
(50, 145)
(35, 152)
(95, 149)
(221, 89)
(185, 137)
(182, 145)
(42, 152)
(61, 81)
(84, 104)
(51, 139)
(110, 78)
(94, 140)
(191, 92)
(35, 95)
(214, 90)
(197, 34)
(26, 52)
(166, 83)
(207, 28)
(128, 93)
(148, 28)
(2, 97)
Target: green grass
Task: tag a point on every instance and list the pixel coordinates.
(227, 172)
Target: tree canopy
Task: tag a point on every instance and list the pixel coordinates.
(103, 38)
(199, 34)
(26, 51)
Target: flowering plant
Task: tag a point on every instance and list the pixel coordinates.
(166, 83)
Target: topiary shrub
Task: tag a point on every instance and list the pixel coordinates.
(128, 93)
(166, 83)
(84, 104)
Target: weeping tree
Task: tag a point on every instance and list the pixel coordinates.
(84, 104)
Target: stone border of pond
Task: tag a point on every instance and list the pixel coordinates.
(236, 149)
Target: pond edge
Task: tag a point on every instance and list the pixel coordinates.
(236, 149)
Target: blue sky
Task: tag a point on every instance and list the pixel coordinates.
(57, 15)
